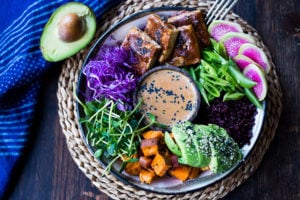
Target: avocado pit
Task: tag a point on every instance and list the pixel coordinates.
(71, 27)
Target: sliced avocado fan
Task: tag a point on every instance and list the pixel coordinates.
(225, 152)
(70, 28)
(201, 146)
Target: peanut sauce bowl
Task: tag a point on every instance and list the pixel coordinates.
(168, 93)
(167, 184)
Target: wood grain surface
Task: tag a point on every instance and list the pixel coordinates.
(47, 170)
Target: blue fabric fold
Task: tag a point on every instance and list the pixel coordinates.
(21, 69)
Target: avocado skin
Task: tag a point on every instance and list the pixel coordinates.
(202, 146)
(52, 47)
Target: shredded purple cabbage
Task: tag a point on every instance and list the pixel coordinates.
(110, 75)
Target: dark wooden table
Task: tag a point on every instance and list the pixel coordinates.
(48, 171)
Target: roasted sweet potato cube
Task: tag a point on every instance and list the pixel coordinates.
(153, 134)
(149, 147)
(160, 164)
(181, 172)
(204, 168)
(147, 176)
(145, 161)
(194, 172)
(133, 168)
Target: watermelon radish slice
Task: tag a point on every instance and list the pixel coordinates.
(242, 61)
(256, 54)
(254, 73)
(219, 28)
(233, 41)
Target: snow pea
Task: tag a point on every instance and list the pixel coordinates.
(219, 48)
(239, 76)
(233, 96)
(202, 92)
(192, 73)
(251, 96)
(208, 68)
(211, 89)
(213, 57)
(199, 85)
(218, 75)
(214, 79)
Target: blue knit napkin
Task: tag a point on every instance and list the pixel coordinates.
(21, 68)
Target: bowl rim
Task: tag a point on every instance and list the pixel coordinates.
(79, 111)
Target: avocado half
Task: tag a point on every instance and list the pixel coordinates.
(70, 28)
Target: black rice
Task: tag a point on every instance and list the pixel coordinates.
(237, 117)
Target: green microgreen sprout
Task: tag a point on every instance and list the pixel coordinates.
(112, 133)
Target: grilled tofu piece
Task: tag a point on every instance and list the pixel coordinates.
(145, 49)
(194, 18)
(163, 33)
(186, 50)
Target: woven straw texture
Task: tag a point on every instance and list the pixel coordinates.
(109, 184)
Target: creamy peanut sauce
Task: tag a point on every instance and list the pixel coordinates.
(169, 95)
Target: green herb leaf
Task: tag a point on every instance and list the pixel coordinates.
(98, 153)
(152, 117)
(111, 132)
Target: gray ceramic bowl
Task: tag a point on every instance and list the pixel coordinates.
(166, 185)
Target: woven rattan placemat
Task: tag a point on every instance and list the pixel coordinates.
(109, 184)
